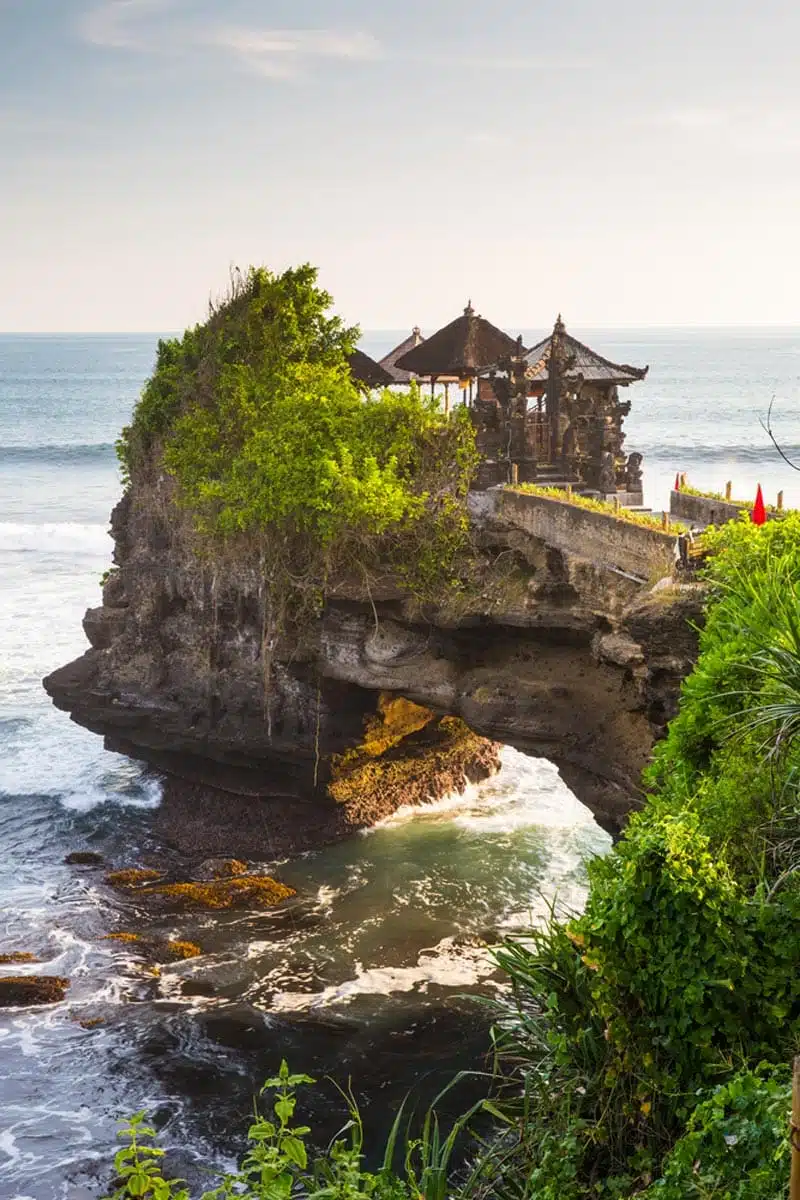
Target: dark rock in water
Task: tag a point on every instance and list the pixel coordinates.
(157, 949)
(31, 989)
(198, 987)
(84, 858)
(133, 877)
(220, 868)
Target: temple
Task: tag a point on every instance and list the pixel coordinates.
(550, 415)
(457, 353)
(553, 414)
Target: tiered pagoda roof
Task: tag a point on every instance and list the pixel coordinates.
(460, 349)
(582, 361)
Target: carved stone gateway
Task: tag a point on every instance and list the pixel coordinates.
(554, 412)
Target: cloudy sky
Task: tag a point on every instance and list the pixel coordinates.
(627, 163)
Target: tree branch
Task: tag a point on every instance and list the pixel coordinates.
(767, 427)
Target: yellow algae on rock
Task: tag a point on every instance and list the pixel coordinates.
(243, 891)
(396, 719)
(18, 956)
(132, 877)
(174, 948)
(182, 950)
(31, 989)
(232, 866)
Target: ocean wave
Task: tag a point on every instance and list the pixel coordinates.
(71, 536)
(683, 452)
(59, 455)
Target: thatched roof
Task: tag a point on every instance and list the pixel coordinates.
(587, 363)
(389, 361)
(462, 348)
(367, 372)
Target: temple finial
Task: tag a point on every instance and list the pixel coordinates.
(469, 311)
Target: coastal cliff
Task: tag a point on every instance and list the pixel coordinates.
(294, 555)
(549, 652)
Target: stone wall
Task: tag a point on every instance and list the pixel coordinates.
(703, 510)
(706, 510)
(601, 537)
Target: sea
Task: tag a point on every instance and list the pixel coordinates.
(381, 973)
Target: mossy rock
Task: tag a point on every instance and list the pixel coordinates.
(159, 949)
(242, 891)
(133, 877)
(84, 858)
(22, 990)
(18, 956)
(221, 868)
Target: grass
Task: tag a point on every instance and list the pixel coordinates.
(606, 507)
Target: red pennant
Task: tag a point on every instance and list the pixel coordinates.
(759, 514)
(677, 487)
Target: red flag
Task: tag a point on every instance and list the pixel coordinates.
(759, 514)
(677, 487)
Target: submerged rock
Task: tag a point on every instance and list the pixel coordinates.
(234, 891)
(133, 877)
(22, 990)
(84, 858)
(158, 949)
(198, 987)
(242, 891)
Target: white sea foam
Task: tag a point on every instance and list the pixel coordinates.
(527, 792)
(448, 964)
(54, 536)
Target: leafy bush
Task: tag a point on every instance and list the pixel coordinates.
(277, 455)
(637, 1026)
(735, 1147)
(281, 1163)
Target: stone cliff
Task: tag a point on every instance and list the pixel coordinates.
(553, 652)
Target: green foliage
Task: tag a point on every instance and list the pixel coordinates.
(265, 326)
(272, 447)
(735, 1147)
(638, 1026)
(281, 1164)
(138, 1166)
(276, 1167)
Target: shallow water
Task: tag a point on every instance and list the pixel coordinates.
(367, 974)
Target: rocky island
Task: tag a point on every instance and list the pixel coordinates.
(312, 620)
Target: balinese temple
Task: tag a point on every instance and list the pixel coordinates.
(553, 414)
(389, 361)
(458, 352)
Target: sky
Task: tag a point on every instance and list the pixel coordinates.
(623, 162)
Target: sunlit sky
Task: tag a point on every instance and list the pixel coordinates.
(626, 163)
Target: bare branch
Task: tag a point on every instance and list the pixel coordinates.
(767, 427)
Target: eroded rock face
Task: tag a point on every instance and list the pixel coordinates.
(552, 654)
